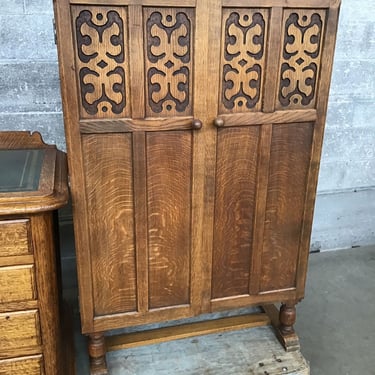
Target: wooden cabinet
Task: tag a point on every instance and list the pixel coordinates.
(194, 131)
(32, 186)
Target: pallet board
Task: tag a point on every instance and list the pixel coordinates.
(254, 351)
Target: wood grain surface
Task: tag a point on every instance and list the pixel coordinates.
(19, 330)
(14, 237)
(169, 217)
(32, 365)
(236, 172)
(109, 186)
(175, 223)
(17, 283)
(289, 163)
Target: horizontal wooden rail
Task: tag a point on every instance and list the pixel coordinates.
(132, 340)
(261, 118)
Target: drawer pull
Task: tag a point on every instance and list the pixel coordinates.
(219, 122)
(196, 124)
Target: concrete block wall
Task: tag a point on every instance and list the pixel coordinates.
(29, 80)
(345, 208)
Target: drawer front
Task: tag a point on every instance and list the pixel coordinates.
(24, 365)
(17, 283)
(19, 330)
(14, 239)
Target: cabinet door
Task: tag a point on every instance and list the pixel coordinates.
(132, 124)
(270, 116)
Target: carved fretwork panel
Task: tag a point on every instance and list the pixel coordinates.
(102, 61)
(244, 35)
(300, 58)
(168, 57)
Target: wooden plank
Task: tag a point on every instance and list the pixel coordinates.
(324, 86)
(140, 209)
(15, 306)
(169, 158)
(208, 15)
(260, 206)
(160, 3)
(121, 320)
(16, 260)
(32, 365)
(70, 101)
(248, 351)
(260, 118)
(280, 3)
(109, 187)
(273, 60)
(289, 164)
(183, 331)
(22, 140)
(220, 304)
(199, 262)
(133, 125)
(236, 169)
(136, 65)
(46, 275)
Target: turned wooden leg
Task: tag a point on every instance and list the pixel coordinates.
(287, 318)
(283, 320)
(97, 352)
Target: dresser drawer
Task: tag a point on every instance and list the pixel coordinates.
(22, 366)
(17, 283)
(14, 238)
(19, 330)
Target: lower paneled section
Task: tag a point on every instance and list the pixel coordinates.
(289, 166)
(236, 172)
(109, 190)
(24, 365)
(169, 163)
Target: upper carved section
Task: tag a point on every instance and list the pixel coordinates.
(168, 61)
(100, 34)
(300, 62)
(244, 36)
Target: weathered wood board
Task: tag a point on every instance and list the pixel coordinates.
(253, 351)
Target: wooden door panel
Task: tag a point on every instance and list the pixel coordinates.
(236, 170)
(301, 49)
(242, 68)
(169, 61)
(102, 62)
(291, 147)
(109, 188)
(169, 164)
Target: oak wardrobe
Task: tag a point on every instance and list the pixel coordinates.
(194, 131)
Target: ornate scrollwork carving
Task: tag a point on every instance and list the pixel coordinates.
(243, 60)
(100, 47)
(169, 61)
(301, 58)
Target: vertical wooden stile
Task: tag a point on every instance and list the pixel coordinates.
(137, 98)
(322, 104)
(273, 59)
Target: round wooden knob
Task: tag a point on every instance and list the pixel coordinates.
(219, 122)
(196, 124)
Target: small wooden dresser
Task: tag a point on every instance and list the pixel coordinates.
(32, 186)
